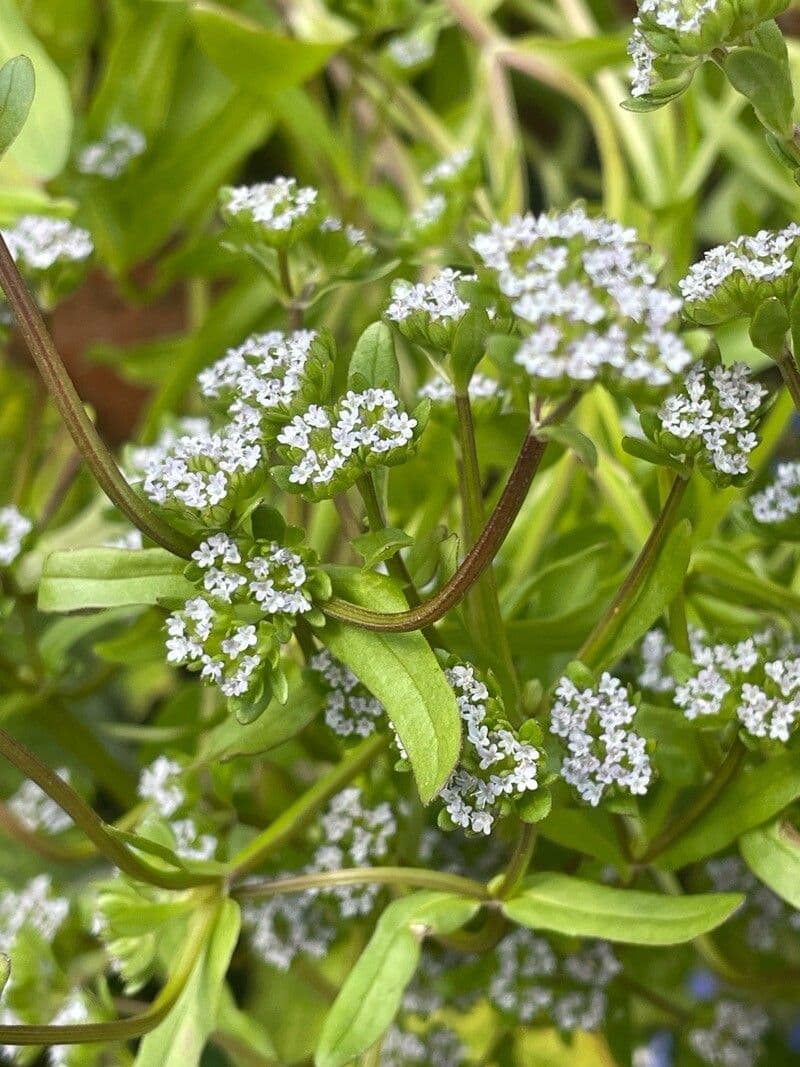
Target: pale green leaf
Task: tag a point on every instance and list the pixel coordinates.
(111, 578)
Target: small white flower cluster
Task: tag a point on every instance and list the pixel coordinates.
(36, 810)
(410, 49)
(472, 796)
(651, 667)
(14, 528)
(440, 389)
(449, 169)
(429, 214)
(33, 906)
(602, 753)
(350, 709)
(642, 74)
(199, 637)
(728, 276)
(355, 237)
(757, 679)
(275, 207)
(160, 785)
(284, 927)
(437, 300)
(201, 470)
(767, 917)
(734, 1037)
(266, 371)
(713, 417)
(355, 836)
(586, 289)
(530, 980)
(38, 242)
(780, 500)
(438, 1046)
(332, 446)
(111, 155)
(190, 843)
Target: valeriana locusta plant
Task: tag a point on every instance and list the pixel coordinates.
(398, 535)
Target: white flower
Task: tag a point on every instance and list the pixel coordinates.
(275, 206)
(36, 810)
(437, 299)
(190, 844)
(14, 528)
(350, 709)
(779, 501)
(429, 212)
(110, 156)
(31, 906)
(267, 371)
(410, 49)
(642, 56)
(449, 168)
(602, 753)
(734, 1037)
(37, 242)
(159, 784)
(284, 927)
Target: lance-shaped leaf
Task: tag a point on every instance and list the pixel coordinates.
(111, 578)
(577, 908)
(374, 362)
(773, 854)
(371, 995)
(17, 86)
(403, 673)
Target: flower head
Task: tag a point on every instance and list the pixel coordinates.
(160, 783)
(36, 810)
(429, 312)
(113, 153)
(39, 243)
(778, 504)
(734, 1036)
(14, 528)
(277, 213)
(31, 906)
(350, 709)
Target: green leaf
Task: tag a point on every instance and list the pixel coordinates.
(41, 149)
(371, 994)
(111, 578)
(277, 724)
(180, 1039)
(572, 438)
(773, 855)
(766, 82)
(469, 347)
(378, 545)
(404, 674)
(769, 327)
(752, 799)
(583, 55)
(254, 57)
(17, 88)
(646, 450)
(577, 908)
(587, 830)
(374, 361)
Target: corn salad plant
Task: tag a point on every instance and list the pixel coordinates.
(399, 524)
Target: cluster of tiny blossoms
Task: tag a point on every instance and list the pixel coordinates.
(429, 312)
(439, 1045)
(766, 917)
(278, 211)
(110, 156)
(440, 390)
(712, 419)
(161, 785)
(496, 766)
(603, 754)
(733, 279)
(36, 810)
(31, 906)
(531, 981)
(778, 502)
(14, 528)
(350, 709)
(329, 447)
(734, 1038)
(585, 291)
(39, 242)
(355, 835)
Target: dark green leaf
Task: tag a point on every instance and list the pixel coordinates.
(111, 578)
(378, 545)
(17, 88)
(403, 673)
(374, 362)
(767, 84)
(371, 995)
(577, 908)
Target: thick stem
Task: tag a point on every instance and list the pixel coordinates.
(637, 576)
(476, 560)
(89, 443)
(299, 814)
(92, 825)
(518, 864)
(397, 876)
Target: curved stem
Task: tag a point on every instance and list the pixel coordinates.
(632, 586)
(89, 443)
(791, 375)
(123, 1029)
(400, 876)
(299, 814)
(92, 825)
(476, 560)
(518, 864)
(375, 520)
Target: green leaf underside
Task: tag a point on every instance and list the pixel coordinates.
(752, 799)
(86, 578)
(577, 908)
(371, 994)
(17, 88)
(404, 674)
(773, 855)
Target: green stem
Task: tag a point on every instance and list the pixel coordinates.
(92, 825)
(518, 864)
(484, 602)
(478, 558)
(676, 612)
(376, 521)
(395, 876)
(299, 814)
(638, 574)
(89, 443)
(137, 1025)
(704, 800)
(791, 375)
